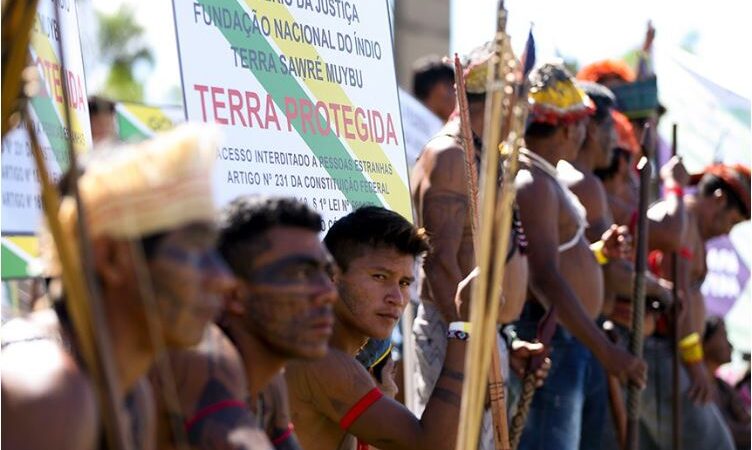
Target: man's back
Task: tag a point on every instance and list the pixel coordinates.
(41, 383)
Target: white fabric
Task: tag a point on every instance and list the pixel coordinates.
(574, 202)
(429, 335)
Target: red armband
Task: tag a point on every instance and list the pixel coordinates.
(675, 190)
(207, 411)
(284, 436)
(360, 407)
(686, 253)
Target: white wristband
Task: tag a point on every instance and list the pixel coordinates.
(460, 326)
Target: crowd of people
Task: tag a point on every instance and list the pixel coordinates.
(246, 330)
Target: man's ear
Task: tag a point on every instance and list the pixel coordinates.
(235, 299)
(112, 260)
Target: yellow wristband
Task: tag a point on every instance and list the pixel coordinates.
(692, 354)
(597, 249)
(689, 340)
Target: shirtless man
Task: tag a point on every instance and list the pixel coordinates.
(281, 308)
(722, 200)
(563, 271)
(132, 208)
(335, 403)
(442, 207)
(597, 152)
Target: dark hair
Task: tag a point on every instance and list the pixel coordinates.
(100, 105)
(428, 72)
(617, 157)
(712, 324)
(709, 183)
(244, 222)
(476, 98)
(540, 129)
(373, 227)
(601, 96)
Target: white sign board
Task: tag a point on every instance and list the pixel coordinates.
(420, 125)
(55, 24)
(306, 95)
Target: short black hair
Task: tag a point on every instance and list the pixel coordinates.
(712, 324)
(99, 104)
(540, 129)
(373, 227)
(709, 183)
(602, 98)
(428, 72)
(617, 156)
(244, 222)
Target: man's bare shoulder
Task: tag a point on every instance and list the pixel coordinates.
(41, 384)
(532, 183)
(590, 190)
(332, 384)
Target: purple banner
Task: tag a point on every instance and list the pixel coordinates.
(727, 276)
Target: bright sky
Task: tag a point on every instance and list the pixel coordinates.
(585, 30)
(589, 30)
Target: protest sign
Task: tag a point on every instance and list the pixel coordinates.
(306, 96)
(136, 121)
(420, 125)
(55, 27)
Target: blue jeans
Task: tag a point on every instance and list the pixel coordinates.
(569, 410)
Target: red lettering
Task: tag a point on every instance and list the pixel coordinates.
(322, 113)
(306, 112)
(335, 109)
(290, 114)
(271, 112)
(202, 90)
(390, 132)
(377, 127)
(235, 99)
(58, 83)
(359, 125)
(252, 111)
(217, 105)
(347, 120)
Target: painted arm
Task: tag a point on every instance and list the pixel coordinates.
(443, 214)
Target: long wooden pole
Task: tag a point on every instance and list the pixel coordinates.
(638, 299)
(504, 116)
(496, 384)
(675, 388)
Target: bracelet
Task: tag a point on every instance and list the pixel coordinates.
(460, 326)
(597, 249)
(689, 340)
(690, 348)
(459, 330)
(693, 354)
(675, 189)
(457, 334)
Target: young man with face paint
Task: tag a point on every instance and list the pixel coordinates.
(151, 200)
(280, 309)
(334, 401)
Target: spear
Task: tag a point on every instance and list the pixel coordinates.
(638, 295)
(495, 376)
(495, 212)
(675, 391)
